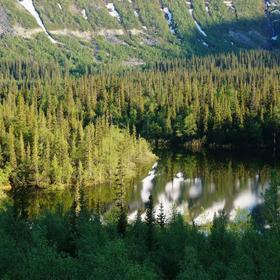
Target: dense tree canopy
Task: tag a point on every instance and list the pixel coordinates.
(76, 245)
(53, 123)
(56, 128)
(59, 129)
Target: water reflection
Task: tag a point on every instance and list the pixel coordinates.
(147, 184)
(197, 185)
(205, 184)
(208, 215)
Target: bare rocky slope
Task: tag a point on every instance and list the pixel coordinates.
(135, 31)
(5, 26)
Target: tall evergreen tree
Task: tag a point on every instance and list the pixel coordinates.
(120, 200)
(150, 221)
(272, 204)
(161, 219)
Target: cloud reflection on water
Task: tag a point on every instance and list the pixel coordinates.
(185, 193)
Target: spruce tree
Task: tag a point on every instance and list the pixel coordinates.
(161, 219)
(120, 200)
(150, 221)
(21, 148)
(272, 205)
(12, 151)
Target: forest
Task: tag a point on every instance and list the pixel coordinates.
(81, 244)
(61, 129)
(60, 126)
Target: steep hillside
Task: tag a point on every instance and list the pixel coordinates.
(134, 31)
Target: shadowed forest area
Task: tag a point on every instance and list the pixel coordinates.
(82, 244)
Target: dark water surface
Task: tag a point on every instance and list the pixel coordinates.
(197, 185)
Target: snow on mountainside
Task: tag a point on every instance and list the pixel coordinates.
(137, 30)
(29, 6)
(197, 24)
(169, 18)
(112, 11)
(272, 11)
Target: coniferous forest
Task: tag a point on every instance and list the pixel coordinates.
(79, 245)
(61, 129)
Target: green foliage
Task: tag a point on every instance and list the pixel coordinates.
(49, 138)
(150, 221)
(46, 247)
(113, 260)
(18, 15)
(4, 176)
(54, 124)
(272, 204)
(161, 218)
(191, 269)
(142, 34)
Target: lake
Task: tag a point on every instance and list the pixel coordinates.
(197, 185)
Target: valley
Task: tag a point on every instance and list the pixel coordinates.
(139, 139)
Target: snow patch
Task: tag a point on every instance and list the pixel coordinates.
(59, 6)
(29, 6)
(205, 44)
(268, 12)
(84, 14)
(169, 17)
(207, 7)
(230, 5)
(112, 11)
(199, 28)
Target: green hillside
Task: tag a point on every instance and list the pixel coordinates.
(133, 32)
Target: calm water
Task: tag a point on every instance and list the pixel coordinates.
(197, 185)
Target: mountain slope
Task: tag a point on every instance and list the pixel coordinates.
(134, 31)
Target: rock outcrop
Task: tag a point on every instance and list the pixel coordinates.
(5, 26)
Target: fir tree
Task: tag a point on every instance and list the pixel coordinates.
(161, 219)
(272, 205)
(120, 200)
(150, 221)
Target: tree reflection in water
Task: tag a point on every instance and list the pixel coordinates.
(198, 185)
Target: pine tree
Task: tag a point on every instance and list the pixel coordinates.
(138, 220)
(21, 148)
(1, 158)
(55, 171)
(120, 200)
(73, 222)
(150, 221)
(12, 151)
(191, 269)
(35, 155)
(272, 205)
(161, 216)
